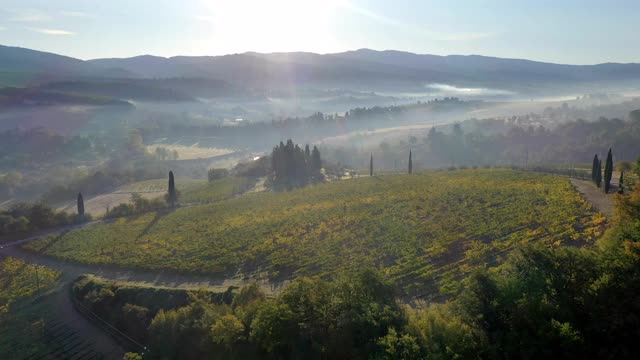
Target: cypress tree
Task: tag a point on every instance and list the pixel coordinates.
(599, 173)
(316, 161)
(621, 183)
(410, 163)
(608, 172)
(171, 193)
(371, 165)
(594, 167)
(80, 203)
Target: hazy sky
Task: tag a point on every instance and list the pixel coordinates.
(564, 31)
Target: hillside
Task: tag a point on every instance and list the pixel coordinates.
(362, 69)
(426, 231)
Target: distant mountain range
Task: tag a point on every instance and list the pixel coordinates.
(186, 77)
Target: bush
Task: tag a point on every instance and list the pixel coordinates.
(215, 174)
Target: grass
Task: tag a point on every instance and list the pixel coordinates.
(425, 231)
(159, 185)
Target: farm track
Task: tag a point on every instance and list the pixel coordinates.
(595, 196)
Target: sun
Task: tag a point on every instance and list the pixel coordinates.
(272, 26)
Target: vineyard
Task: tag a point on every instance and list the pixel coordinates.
(216, 190)
(19, 280)
(29, 328)
(425, 231)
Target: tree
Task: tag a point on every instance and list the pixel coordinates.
(227, 331)
(316, 162)
(608, 172)
(371, 165)
(594, 167)
(621, 183)
(599, 173)
(172, 195)
(215, 174)
(410, 163)
(80, 203)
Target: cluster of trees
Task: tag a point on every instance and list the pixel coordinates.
(294, 167)
(25, 217)
(140, 205)
(596, 173)
(489, 142)
(261, 134)
(166, 154)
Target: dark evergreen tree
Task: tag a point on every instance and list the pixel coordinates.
(294, 167)
(594, 167)
(608, 172)
(80, 203)
(316, 161)
(621, 183)
(307, 153)
(172, 196)
(410, 163)
(371, 165)
(599, 173)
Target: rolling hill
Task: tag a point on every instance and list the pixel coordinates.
(427, 232)
(362, 69)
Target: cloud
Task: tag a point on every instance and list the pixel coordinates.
(52, 31)
(78, 14)
(2, 28)
(30, 18)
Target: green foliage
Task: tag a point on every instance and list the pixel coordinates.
(227, 330)
(608, 172)
(172, 193)
(292, 167)
(426, 231)
(132, 356)
(24, 217)
(215, 174)
(80, 205)
(19, 280)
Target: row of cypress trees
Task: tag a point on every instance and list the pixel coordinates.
(596, 172)
(295, 167)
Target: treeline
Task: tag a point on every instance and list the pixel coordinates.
(258, 135)
(479, 143)
(294, 167)
(23, 218)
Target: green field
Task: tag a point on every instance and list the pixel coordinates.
(426, 231)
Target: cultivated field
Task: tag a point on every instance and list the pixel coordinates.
(426, 231)
(19, 280)
(148, 189)
(191, 152)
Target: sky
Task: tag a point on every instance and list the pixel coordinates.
(560, 31)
